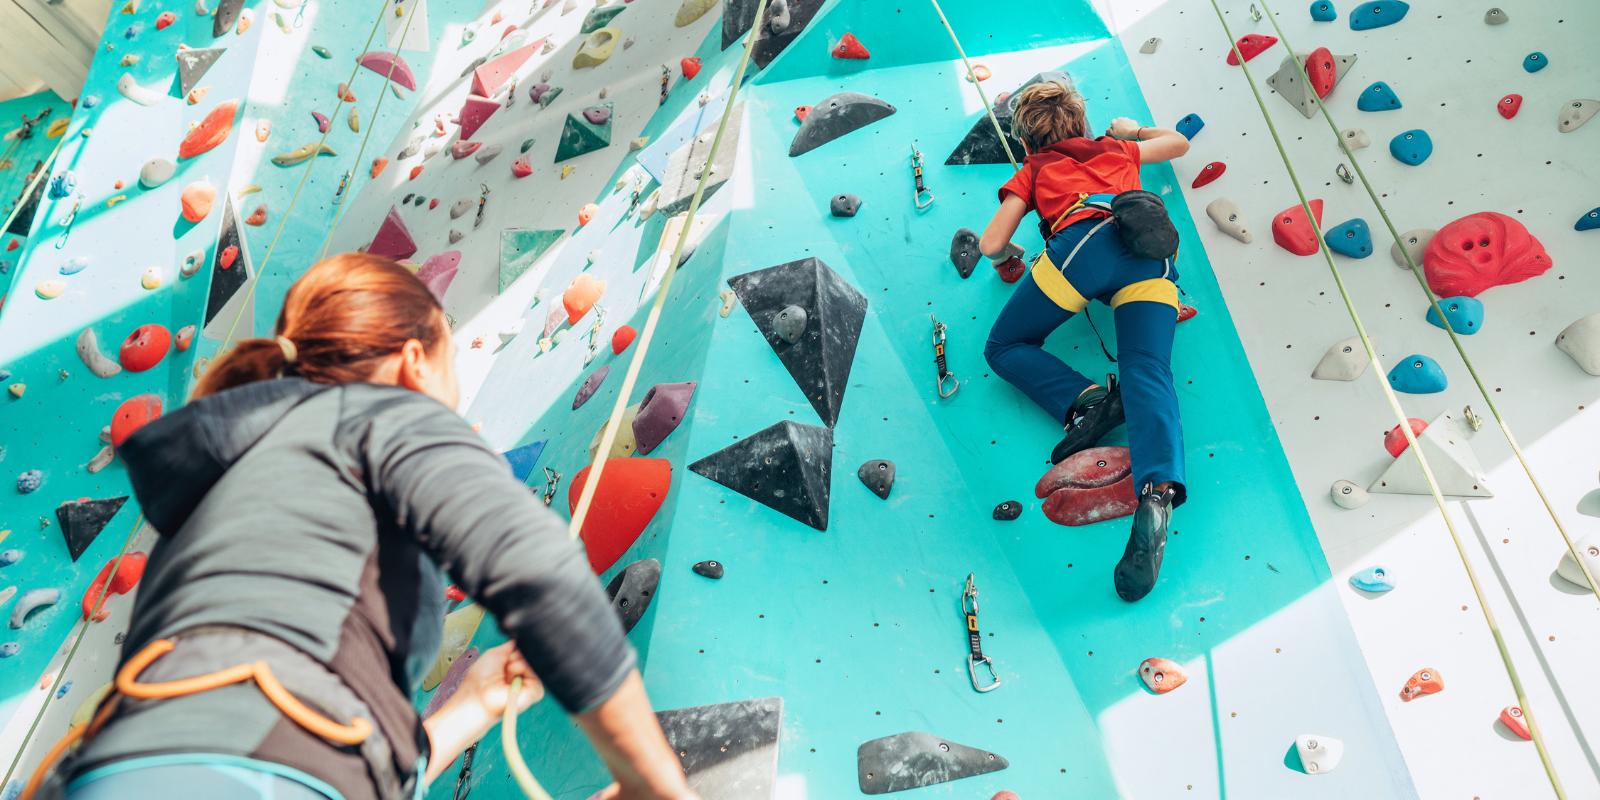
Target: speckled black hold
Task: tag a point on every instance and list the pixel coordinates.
(878, 475)
(409, 196)
(912, 760)
(82, 521)
(632, 589)
(844, 205)
(790, 324)
(964, 251)
(1007, 511)
(709, 569)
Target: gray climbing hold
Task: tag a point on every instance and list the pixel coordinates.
(8, 650)
(778, 18)
(192, 66)
(456, 236)
(1355, 138)
(682, 174)
(728, 750)
(1415, 242)
(1229, 218)
(709, 569)
(790, 324)
(836, 116)
(912, 760)
(1150, 45)
(192, 263)
(1007, 511)
(461, 207)
(89, 352)
(844, 205)
(31, 601)
(1289, 81)
(786, 467)
(878, 475)
(476, 62)
(432, 148)
(1575, 113)
(1348, 495)
(632, 589)
(487, 153)
(1581, 340)
(964, 252)
(589, 386)
(1455, 467)
(1589, 549)
(1344, 361)
(156, 171)
(1495, 16)
(662, 409)
(101, 459)
(411, 149)
(9, 557)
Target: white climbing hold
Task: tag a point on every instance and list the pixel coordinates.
(628, 42)
(1344, 361)
(605, 91)
(192, 263)
(130, 89)
(1581, 340)
(1290, 82)
(30, 601)
(1455, 467)
(1355, 138)
(1589, 548)
(1573, 114)
(456, 236)
(648, 207)
(1415, 241)
(1229, 218)
(156, 171)
(96, 361)
(1348, 495)
(1318, 754)
(728, 299)
(569, 7)
(1150, 45)
(101, 459)
(432, 148)
(511, 332)
(462, 206)
(1495, 16)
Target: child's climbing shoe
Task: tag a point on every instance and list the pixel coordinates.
(1136, 573)
(1086, 424)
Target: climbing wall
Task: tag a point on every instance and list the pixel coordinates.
(28, 139)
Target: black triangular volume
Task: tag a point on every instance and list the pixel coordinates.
(820, 361)
(193, 64)
(787, 468)
(769, 44)
(227, 276)
(83, 520)
(729, 751)
(982, 145)
(912, 760)
(737, 15)
(227, 14)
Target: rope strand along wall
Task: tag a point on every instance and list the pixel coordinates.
(976, 84)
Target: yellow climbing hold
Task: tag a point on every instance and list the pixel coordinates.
(691, 10)
(18, 388)
(86, 131)
(151, 279)
(355, 121)
(115, 200)
(131, 8)
(565, 171)
(459, 628)
(48, 290)
(638, 144)
(263, 129)
(252, 189)
(301, 153)
(597, 48)
(57, 128)
(87, 708)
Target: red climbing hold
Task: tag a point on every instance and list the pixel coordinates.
(800, 112)
(166, 18)
(474, 112)
(1481, 250)
(229, 253)
(587, 213)
(211, 131)
(129, 571)
(1186, 312)
(1508, 106)
(691, 67)
(454, 594)
(622, 338)
(1089, 486)
(461, 150)
(631, 491)
(1250, 46)
(1005, 794)
(257, 217)
(1321, 70)
(433, 204)
(850, 47)
(1512, 718)
(1425, 681)
(378, 164)
(1011, 270)
(522, 167)
(145, 347)
(1210, 173)
(13, 244)
(1395, 440)
(1293, 232)
(393, 239)
(133, 414)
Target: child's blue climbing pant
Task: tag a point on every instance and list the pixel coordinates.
(1145, 302)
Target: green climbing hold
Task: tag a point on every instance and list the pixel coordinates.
(519, 248)
(527, 144)
(321, 51)
(581, 136)
(600, 17)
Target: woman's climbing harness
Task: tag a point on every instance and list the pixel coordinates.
(975, 639)
(938, 359)
(916, 173)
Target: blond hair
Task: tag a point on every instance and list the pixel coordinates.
(1047, 113)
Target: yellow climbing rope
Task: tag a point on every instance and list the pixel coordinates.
(44, 172)
(1405, 427)
(1422, 281)
(581, 511)
(508, 743)
(976, 84)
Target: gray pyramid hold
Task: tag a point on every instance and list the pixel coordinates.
(226, 14)
(836, 116)
(1289, 83)
(820, 360)
(787, 467)
(193, 64)
(682, 175)
(729, 751)
(982, 145)
(913, 760)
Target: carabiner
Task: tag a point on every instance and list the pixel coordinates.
(1473, 420)
(916, 173)
(344, 183)
(1255, 13)
(975, 640)
(552, 479)
(972, 669)
(67, 222)
(1344, 174)
(938, 359)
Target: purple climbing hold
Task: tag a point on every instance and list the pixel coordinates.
(451, 682)
(589, 386)
(537, 91)
(663, 407)
(438, 271)
(597, 116)
(30, 480)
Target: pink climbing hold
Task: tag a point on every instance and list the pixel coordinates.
(522, 167)
(1395, 440)
(380, 61)
(145, 347)
(850, 47)
(1509, 105)
(690, 66)
(597, 116)
(498, 15)
(1089, 486)
(510, 29)
(662, 409)
(451, 682)
(587, 213)
(1293, 232)
(1480, 251)
(1321, 70)
(1208, 174)
(129, 570)
(393, 239)
(438, 271)
(1250, 46)
(1162, 676)
(622, 338)
(1512, 718)
(322, 121)
(580, 296)
(1005, 794)
(184, 338)
(488, 78)
(133, 414)
(554, 319)
(475, 112)
(461, 150)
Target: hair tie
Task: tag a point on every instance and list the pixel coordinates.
(290, 353)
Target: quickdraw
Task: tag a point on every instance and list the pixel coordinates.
(66, 222)
(483, 200)
(938, 358)
(344, 183)
(552, 479)
(1344, 174)
(463, 788)
(594, 333)
(975, 639)
(916, 172)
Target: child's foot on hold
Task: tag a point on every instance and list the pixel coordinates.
(1096, 412)
(1136, 573)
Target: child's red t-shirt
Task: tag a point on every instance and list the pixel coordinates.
(1051, 179)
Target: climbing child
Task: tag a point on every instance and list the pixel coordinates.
(1064, 176)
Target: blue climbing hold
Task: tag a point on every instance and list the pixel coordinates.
(9, 557)
(1412, 147)
(1372, 579)
(1377, 14)
(63, 185)
(523, 458)
(62, 692)
(1418, 375)
(1465, 314)
(74, 265)
(1322, 11)
(9, 649)
(30, 480)
(1534, 62)
(13, 789)
(1378, 97)
(5, 374)
(1587, 222)
(132, 31)
(1190, 125)
(1352, 238)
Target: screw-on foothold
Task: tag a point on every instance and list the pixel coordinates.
(878, 475)
(790, 324)
(1007, 511)
(709, 569)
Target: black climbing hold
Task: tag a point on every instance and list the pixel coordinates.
(912, 760)
(878, 475)
(786, 467)
(409, 196)
(1007, 511)
(845, 205)
(737, 17)
(790, 324)
(229, 271)
(709, 569)
(964, 252)
(820, 361)
(982, 145)
(82, 520)
(728, 750)
(781, 25)
(836, 116)
(632, 589)
(227, 13)
(119, 638)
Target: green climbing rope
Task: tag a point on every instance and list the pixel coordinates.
(976, 84)
(1404, 427)
(1422, 281)
(581, 511)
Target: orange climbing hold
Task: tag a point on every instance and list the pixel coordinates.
(415, 171)
(378, 164)
(1320, 69)
(197, 198)
(581, 296)
(850, 47)
(133, 414)
(129, 571)
(211, 131)
(258, 216)
(631, 491)
(229, 253)
(691, 67)
(1395, 440)
(345, 94)
(1512, 718)
(622, 338)
(1293, 232)
(1161, 675)
(1426, 681)
(587, 213)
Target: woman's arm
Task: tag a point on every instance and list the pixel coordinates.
(996, 242)
(1155, 144)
